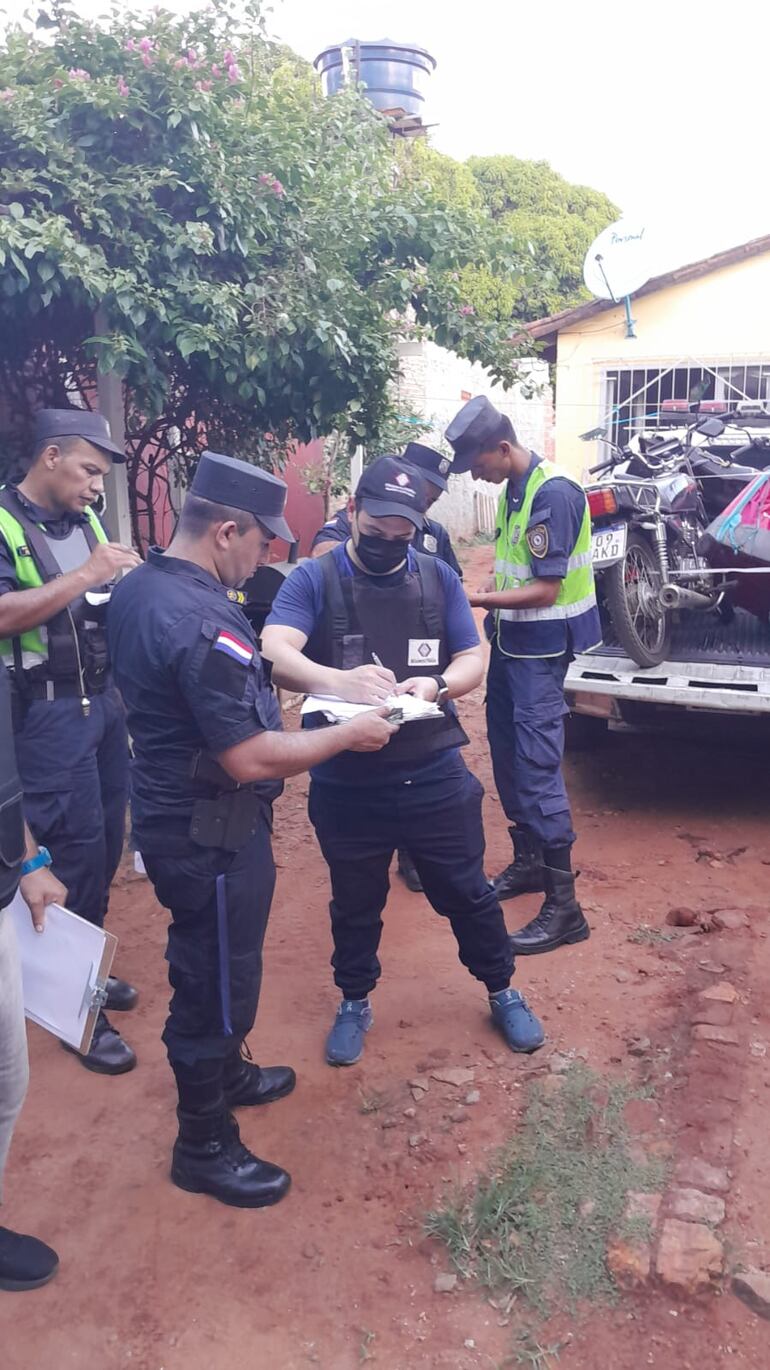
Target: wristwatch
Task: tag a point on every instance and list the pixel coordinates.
(41, 858)
(443, 689)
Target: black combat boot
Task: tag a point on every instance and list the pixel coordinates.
(121, 997)
(108, 1054)
(525, 875)
(560, 921)
(209, 1158)
(406, 870)
(246, 1083)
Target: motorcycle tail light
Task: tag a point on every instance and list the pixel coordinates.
(602, 502)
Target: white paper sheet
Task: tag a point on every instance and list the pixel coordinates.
(340, 710)
(59, 968)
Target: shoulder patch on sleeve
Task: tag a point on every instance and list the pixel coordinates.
(226, 641)
(226, 667)
(537, 540)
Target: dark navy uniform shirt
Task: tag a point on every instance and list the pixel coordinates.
(433, 538)
(186, 662)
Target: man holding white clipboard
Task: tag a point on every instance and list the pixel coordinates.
(25, 1262)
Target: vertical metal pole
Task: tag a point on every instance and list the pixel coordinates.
(629, 321)
(109, 390)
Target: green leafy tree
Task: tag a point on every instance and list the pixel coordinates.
(558, 220)
(181, 206)
(551, 221)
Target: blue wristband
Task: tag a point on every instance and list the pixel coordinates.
(43, 858)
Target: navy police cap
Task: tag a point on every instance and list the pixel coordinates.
(387, 490)
(473, 430)
(433, 465)
(51, 424)
(239, 485)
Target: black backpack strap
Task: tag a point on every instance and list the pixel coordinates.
(335, 606)
(433, 609)
(42, 555)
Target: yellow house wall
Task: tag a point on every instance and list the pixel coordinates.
(722, 317)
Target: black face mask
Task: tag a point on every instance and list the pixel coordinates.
(378, 554)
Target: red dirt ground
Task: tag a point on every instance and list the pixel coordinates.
(339, 1273)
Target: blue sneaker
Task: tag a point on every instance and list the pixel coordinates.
(516, 1021)
(345, 1043)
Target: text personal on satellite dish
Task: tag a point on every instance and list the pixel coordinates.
(619, 261)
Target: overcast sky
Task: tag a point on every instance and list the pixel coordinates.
(664, 105)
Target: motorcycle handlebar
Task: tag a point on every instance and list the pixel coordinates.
(745, 450)
(603, 466)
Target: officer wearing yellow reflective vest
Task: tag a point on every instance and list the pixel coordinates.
(542, 610)
(55, 565)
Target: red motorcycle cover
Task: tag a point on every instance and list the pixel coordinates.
(739, 539)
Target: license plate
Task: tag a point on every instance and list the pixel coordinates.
(608, 544)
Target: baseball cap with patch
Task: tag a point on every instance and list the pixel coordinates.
(387, 490)
(433, 465)
(51, 424)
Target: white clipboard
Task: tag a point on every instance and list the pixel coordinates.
(64, 971)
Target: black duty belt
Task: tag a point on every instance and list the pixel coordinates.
(56, 689)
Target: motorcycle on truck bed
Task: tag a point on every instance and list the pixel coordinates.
(672, 633)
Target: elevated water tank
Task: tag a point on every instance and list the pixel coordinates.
(393, 75)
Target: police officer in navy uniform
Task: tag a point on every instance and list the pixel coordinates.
(542, 610)
(432, 539)
(369, 619)
(56, 562)
(209, 760)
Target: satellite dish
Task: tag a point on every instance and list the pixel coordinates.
(619, 261)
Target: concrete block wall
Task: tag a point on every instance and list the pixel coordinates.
(434, 383)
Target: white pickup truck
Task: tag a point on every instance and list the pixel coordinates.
(712, 666)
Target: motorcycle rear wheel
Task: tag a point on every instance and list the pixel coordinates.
(631, 588)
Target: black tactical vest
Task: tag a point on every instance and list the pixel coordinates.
(403, 625)
(77, 636)
(11, 815)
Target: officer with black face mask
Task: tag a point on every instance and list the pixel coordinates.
(370, 619)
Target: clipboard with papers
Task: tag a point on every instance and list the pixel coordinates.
(64, 971)
(403, 708)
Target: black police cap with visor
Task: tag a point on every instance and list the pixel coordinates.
(238, 485)
(51, 424)
(432, 465)
(473, 430)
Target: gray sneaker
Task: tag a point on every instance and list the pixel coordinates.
(345, 1043)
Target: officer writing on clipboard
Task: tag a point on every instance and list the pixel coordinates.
(209, 759)
(25, 1262)
(373, 599)
(432, 539)
(542, 610)
(56, 562)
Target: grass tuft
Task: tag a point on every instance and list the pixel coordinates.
(538, 1223)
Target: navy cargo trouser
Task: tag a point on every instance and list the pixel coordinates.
(438, 821)
(525, 725)
(219, 903)
(74, 771)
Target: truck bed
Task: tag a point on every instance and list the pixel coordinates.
(711, 665)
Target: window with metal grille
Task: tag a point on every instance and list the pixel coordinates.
(634, 397)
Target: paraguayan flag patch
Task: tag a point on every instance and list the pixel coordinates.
(230, 644)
